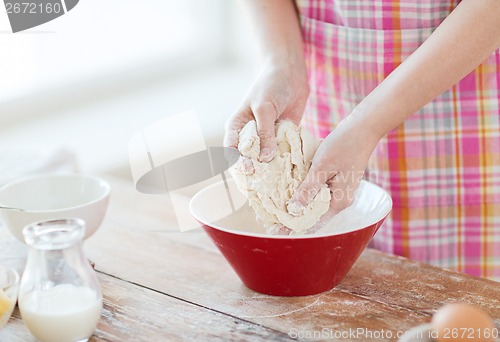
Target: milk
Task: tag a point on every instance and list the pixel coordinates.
(63, 313)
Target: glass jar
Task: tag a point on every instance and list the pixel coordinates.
(60, 299)
(9, 285)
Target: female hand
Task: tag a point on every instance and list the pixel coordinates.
(279, 92)
(339, 162)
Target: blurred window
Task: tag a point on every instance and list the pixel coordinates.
(102, 38)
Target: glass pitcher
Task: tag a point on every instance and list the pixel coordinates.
(60, 299)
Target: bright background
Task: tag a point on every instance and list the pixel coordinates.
(89, 80)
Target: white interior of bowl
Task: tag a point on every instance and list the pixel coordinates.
(212, 207)
(53, 192)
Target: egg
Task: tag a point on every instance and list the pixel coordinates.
(462, 323)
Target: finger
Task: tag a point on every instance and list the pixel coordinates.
(305, 193)
(343, 192)
(265, 117)
(323, 221)
(231, 138)
(234, 125)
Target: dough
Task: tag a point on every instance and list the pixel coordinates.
(269, 186)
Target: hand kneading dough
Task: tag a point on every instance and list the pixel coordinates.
(271, 185)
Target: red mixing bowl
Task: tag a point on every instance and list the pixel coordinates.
(289, 265)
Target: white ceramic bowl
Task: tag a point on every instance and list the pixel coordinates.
(49, 197)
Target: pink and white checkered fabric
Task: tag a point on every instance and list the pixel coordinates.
(442, 166)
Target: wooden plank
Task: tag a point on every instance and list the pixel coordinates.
(418, 286)
(184, 269)
(132, 313)
(16, 331)
(203, 278)
(152, 215)
(139, 243)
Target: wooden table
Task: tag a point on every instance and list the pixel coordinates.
(163, 285)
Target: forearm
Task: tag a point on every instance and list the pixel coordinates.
(462, 42)
(276, 29)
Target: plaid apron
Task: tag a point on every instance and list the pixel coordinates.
(442, 166)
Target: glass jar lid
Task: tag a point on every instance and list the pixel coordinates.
(54, 234)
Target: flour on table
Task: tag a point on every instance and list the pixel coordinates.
(269, 186)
